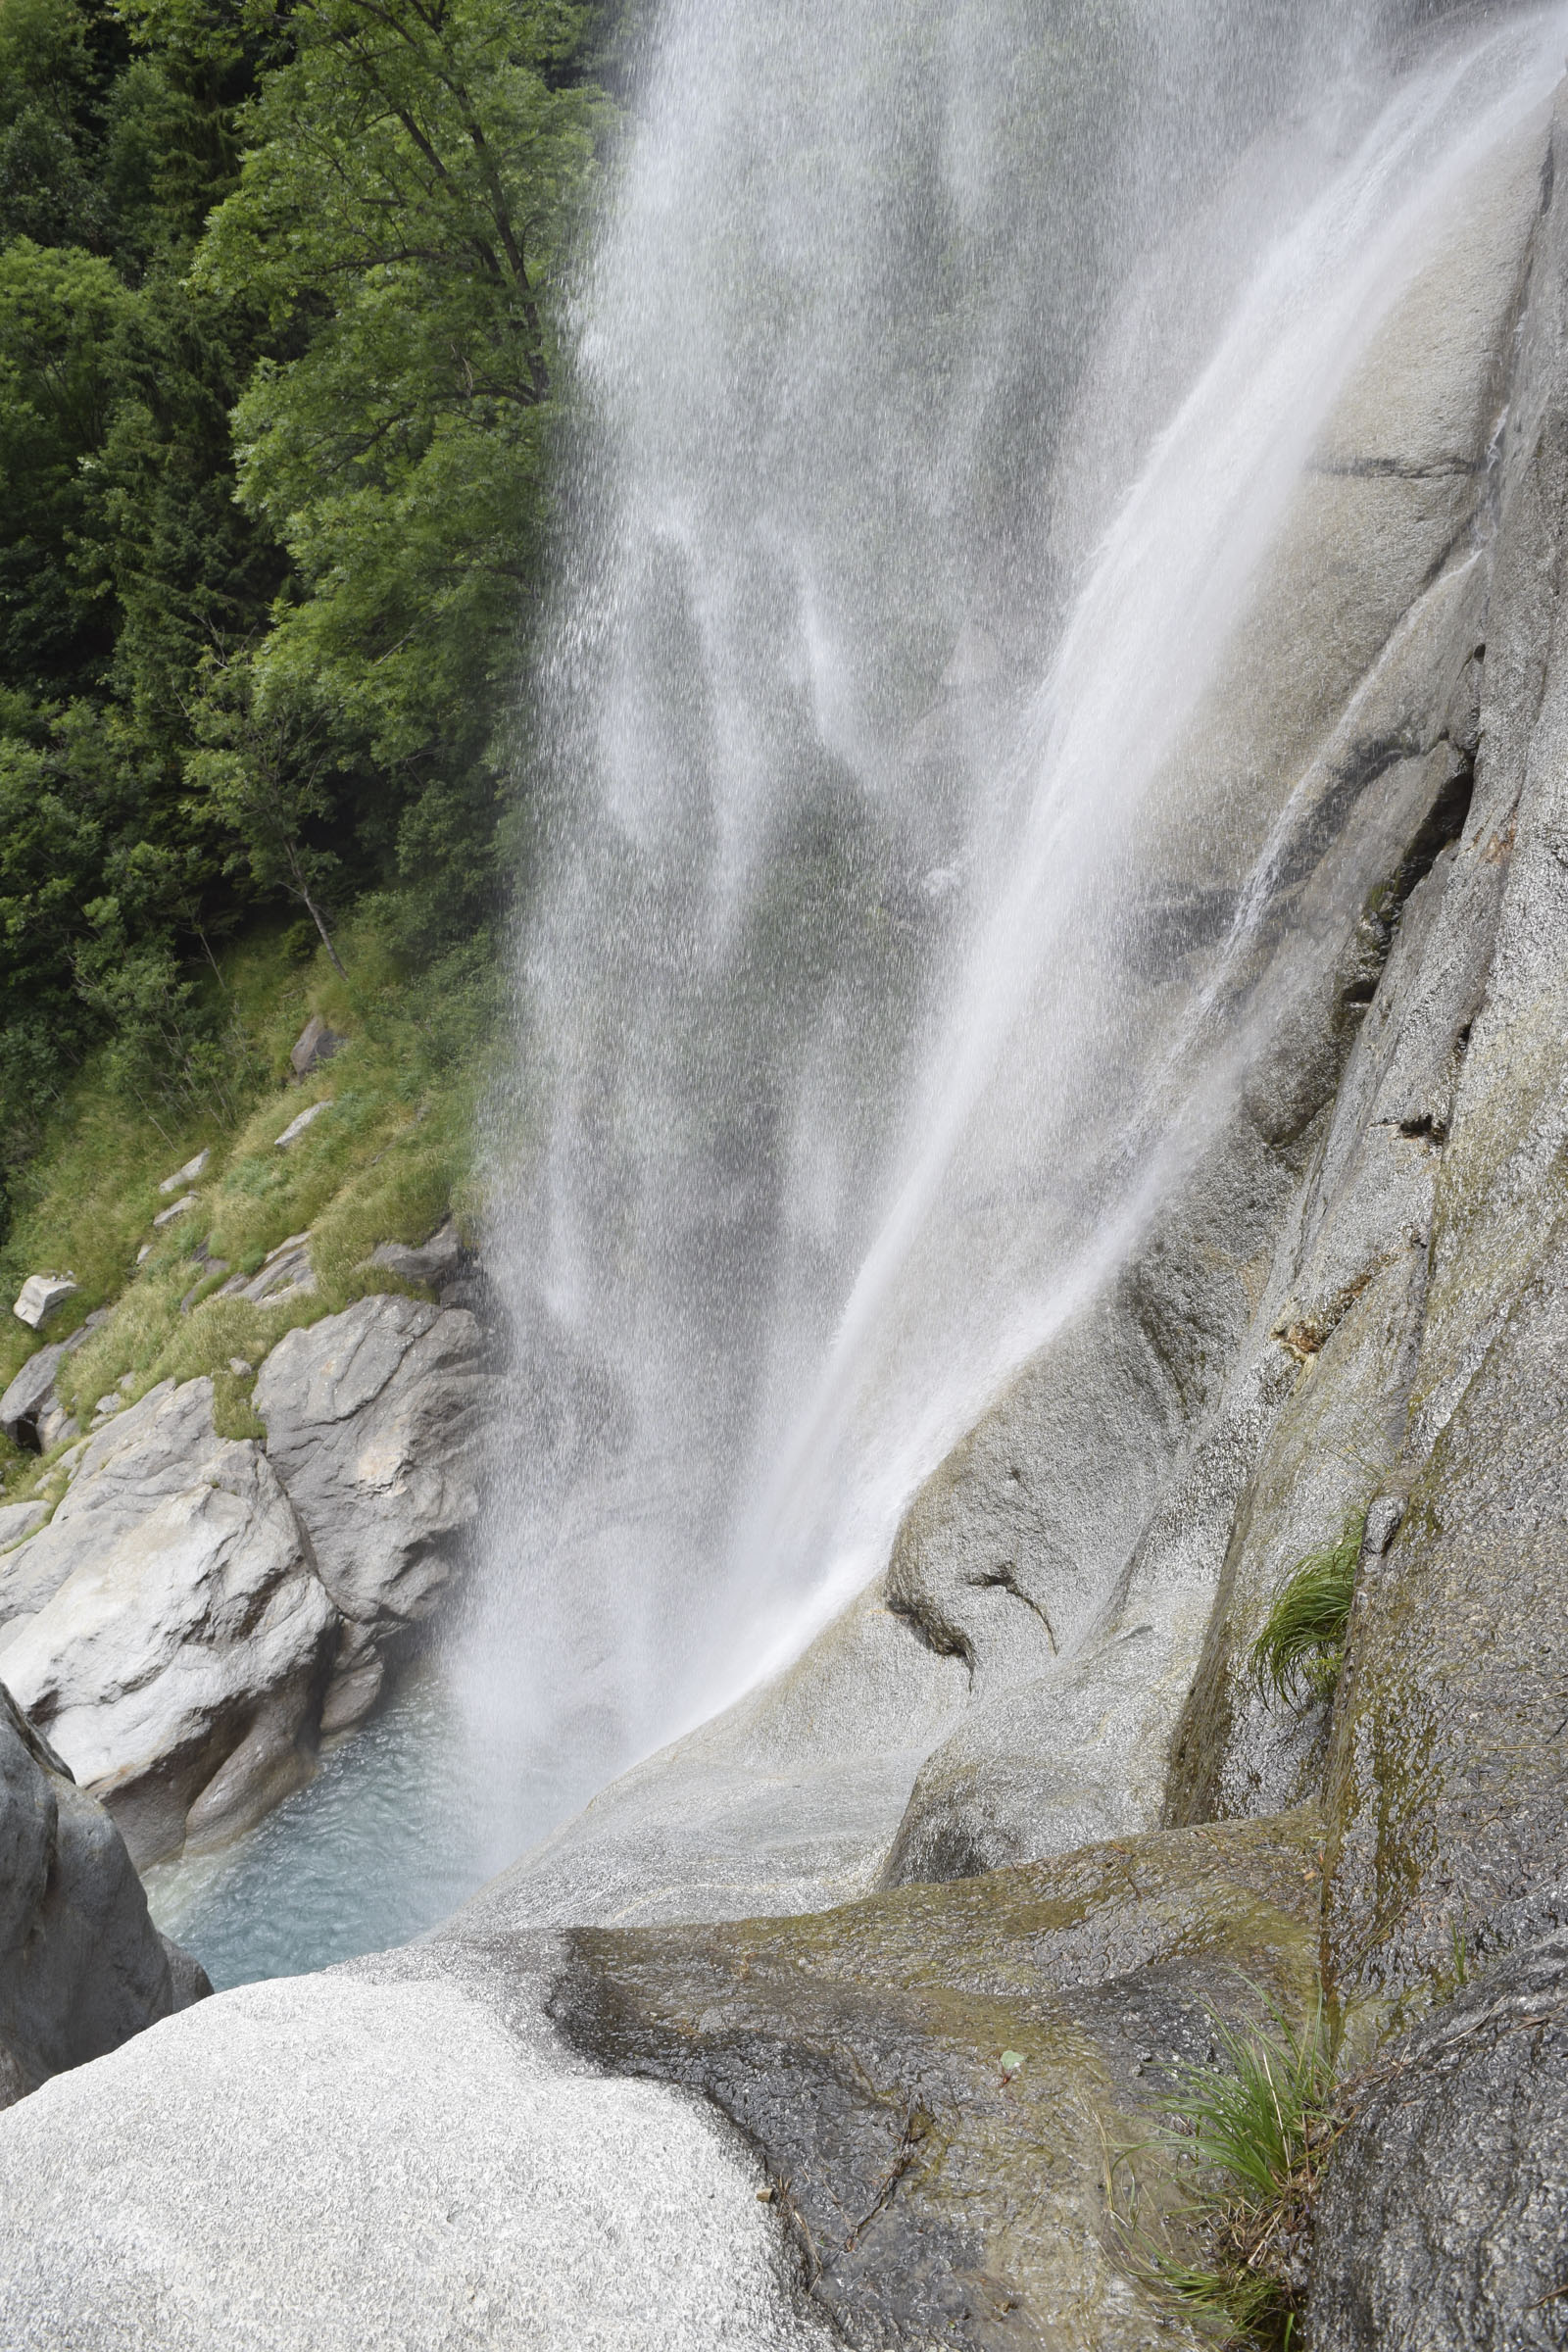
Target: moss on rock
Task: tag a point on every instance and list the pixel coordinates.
(949, 2084)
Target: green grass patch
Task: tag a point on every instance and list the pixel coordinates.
(386, 1161)
(1256, 2125)
(1301, 1649)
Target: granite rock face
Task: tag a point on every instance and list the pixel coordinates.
(181, 1638)
(1026, 1798)
(30, 1413)
(373, 1423)
(81, 1965)
(1444, 2227)
(933, 2077)
(452, 2184)
(200, 1610)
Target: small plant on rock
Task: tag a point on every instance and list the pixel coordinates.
(1257, 2122)
(1301, 1649)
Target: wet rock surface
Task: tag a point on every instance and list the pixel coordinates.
(81, 1965)
(934, 2077)
(1444, 2224)
(1352, 1295)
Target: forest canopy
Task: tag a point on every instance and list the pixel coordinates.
(279, 380)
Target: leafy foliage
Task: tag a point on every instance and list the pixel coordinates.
(277, 396)
(1301, 1649)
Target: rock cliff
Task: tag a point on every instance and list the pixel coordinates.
(81, 1965)
(200, 1611)
(1034, 1819)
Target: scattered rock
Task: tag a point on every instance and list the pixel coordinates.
(188, 1174)
(174, 1640)
(296, 1127)
(107, 1406)
(166, 1216)
(211, 1269)
(240, 1368)
(373, 1421)
(440, 1260)
(30, 1395)
(284, 1273)
(81, 1965)
(1444, 2219)
(316, 1044)
(144, 1253)
(54, 1426)
(42, 1295)
(30, 1414)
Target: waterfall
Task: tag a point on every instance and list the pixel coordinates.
(946, 369)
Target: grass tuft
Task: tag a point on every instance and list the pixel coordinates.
(1257, 2124)
(1301, 1649)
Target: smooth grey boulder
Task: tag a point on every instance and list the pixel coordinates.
(374, 1421)
(316, 1044)
(42, 1295)
(298, 1126)
(18, 1520)
(158, 1447)
(30, 1393)
(1442, 2224)
(30, 1414)
(193, 1168)
(285, 1273)
(81, 1965)
(168, 1628)
(440, 1260)
(398, 2158)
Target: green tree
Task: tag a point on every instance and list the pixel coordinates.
(409, 200)
(263, 770)
(63, 316)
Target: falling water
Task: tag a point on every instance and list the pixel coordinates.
(831, 1073)
(946, 368)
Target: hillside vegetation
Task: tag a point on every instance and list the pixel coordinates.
(280, 290)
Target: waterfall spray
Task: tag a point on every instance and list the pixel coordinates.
(869, 799)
